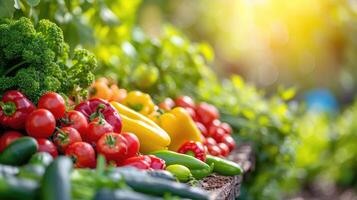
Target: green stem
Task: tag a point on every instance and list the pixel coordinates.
(8, 108)
(13, 68)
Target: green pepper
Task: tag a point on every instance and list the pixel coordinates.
(224, 167)
(182, 173)
(198, 168)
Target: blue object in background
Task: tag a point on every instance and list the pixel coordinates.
(321, 100)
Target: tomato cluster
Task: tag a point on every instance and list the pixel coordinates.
(216, 134)
(92, 128)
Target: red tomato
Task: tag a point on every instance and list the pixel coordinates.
(226, 127)
(65, 137)
(40, 123)
(167, 104)
(229, 141)
(192, 113)
(202, 128)
(82, 153)
(75, 119)
(214, 150)
(210, 141)
(216, 132)
(224, 149)
(185, 102)
(7, 138)
(112, 146)
(133, 144)
(45, 145)
(206, 113)
(96, 129)
(157, 163)
(140, 162)
(54, 103)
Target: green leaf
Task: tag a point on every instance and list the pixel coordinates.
(33, 3)
(7, 8)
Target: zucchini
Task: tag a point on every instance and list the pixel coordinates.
(56, 182)
(41, 158)
(19, 151)
(159, 187)
(15, 188)
(122, 194)
(162, 174)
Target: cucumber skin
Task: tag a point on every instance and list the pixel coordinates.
(16, 188)
(19, 151)
(56, 182)
(224, 167)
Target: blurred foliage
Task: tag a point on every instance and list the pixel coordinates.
(271, 42)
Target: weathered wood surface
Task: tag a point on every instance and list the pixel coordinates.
(228, 187)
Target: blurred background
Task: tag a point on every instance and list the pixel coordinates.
(303, 43)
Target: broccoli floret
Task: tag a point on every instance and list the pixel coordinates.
(35, 60)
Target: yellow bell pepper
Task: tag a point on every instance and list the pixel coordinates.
(140, 102)
(151, 136)
(180, 126)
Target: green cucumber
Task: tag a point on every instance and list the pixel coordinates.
(198, 168)
(56, 182)
(224, 167)
(19, 151)
(162, 174)
(144, 183)
(122, 194)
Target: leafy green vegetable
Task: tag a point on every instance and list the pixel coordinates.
(35, 60)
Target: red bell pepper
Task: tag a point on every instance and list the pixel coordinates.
(14, 109)
(195, 149)
(95, 108)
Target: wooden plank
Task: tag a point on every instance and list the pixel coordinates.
(228, 187)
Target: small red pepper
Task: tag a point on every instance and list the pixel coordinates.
(193, 148)
(94, 108)
(14, 109)
(140, 162)
(156, 162)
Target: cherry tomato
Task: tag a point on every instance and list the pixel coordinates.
(45, 145)
(157, 163)
(96, 129)
(226, 127)
(229, 141)
(224, 149)
(216, 132)
(140, 162)
(82, 153)
(210, 141)
(54, 103)
(202, 128)
(7, 138)
(112, 146)
(133, 144)
(167, 104)
(75, 119)
(185, 102)
(65, 137)
(206, 113)
(40, 123)
(214, 150)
